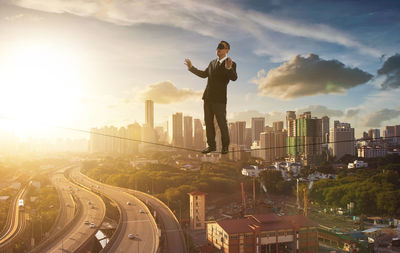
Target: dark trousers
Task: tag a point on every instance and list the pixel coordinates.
(218, 110)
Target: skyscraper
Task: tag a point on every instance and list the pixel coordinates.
(188, 131)
(267, 145)
(280, 143)
(341, 138)
(198, 141)
(325, 129)
(149, 113)
(304, 137)
(232, 133)
(374, 133)
(277, 126)
(135, 133)
(290, 123)
(257, 127)
(241, 132)
(176, 129)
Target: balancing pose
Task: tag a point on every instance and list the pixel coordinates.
(219, 72)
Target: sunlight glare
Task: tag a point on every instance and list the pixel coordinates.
(40, 86)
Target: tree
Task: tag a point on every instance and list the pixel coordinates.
(271, 179)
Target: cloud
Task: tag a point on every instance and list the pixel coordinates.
(167, 93)
(306, 76)
(210, 18)
(376, 119)
(390, 73)
(320, 111)
(350, 113)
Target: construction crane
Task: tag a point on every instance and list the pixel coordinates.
(305, 197)
(243, 213)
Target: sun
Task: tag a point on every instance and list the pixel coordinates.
(39, 86)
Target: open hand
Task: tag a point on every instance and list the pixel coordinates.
(228, 63)
(188, 63)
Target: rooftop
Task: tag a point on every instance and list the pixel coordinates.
(196, 193)
(266, 222)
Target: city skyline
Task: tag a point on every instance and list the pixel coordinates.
(109, 60)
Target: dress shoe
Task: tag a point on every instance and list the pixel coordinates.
(225, 150)
(208, 150)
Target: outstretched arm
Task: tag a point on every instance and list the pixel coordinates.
(197, 72)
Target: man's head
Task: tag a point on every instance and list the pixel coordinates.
(223, 49)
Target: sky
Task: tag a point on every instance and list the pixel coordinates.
(88, 63)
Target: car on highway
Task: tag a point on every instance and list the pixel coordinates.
(128, 203)
(131, 236)
(92, 225)
(141, 211)
(86, 222)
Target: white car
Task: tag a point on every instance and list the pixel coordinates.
(131, 236)
(92, 225)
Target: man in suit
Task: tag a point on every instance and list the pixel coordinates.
(219, 72)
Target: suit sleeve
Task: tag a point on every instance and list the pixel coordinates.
(199, 73)
(232, 75)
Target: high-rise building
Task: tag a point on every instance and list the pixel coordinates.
(341, 139)
(112, 140)
(122, 147)
(188, 131)
(291, 123)
(268, 129)
(247, 138)
(304, 137)
(241, 132)
(272, 145)
(277, 126)
(280, 144)
(374, 133)
(176, 129)
(232, 133)
(391, 134)
(325, 129)
(149, 113)
(267, 145)
(198, 134)
(134, 133)
(257, 127)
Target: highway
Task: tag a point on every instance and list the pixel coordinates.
(173, 233)
(136, 218)
(71, 232)
(16, 223)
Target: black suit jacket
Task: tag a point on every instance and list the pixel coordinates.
(218, 79)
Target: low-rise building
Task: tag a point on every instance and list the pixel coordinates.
(252, 171)
(357, 164)
(264, 233)
(371, 152)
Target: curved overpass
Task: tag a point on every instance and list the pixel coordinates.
(17, 222)
(71, 232)
(136, 218)
(173, 232)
